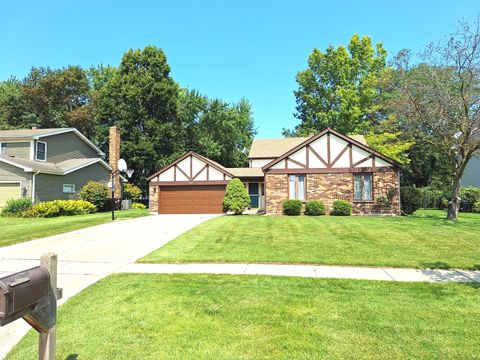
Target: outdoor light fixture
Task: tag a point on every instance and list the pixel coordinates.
(121, 167)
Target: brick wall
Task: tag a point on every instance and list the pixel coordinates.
(331, 187)
(153, 198)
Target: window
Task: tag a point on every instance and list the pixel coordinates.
(296, 186)
(41, 153)
(3, 148)
(68, 188)
(362, 187)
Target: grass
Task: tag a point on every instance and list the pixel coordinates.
(250, 317)
(425, 240)
(16, 230)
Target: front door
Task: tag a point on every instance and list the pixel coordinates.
(254, 195)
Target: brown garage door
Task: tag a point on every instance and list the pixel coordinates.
(206, 199)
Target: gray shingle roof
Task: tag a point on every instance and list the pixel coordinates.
(28, 133)
(246, 172)
(46, 167)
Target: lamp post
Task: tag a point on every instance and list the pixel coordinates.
(121, 167)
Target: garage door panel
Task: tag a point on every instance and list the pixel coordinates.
(8, 191)
(205, 199)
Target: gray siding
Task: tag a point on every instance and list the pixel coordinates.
(471, 176)
(67, 146)
(50, 187)
(19, 149)
(11, 173)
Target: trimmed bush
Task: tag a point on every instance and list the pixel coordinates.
(132, 192)
(137, 205)
(381, 200)
(59, 208)
(314, 208)
(15, 206)
(341, 208)
(236, 197)
(411, 199)
(469, 195)
(95, 193)
(292, 207)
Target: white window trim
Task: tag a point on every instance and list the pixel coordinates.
(68, 192)
(36, 151)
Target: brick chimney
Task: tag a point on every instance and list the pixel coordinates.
(114, 156)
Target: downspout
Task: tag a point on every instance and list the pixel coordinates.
(33, 185)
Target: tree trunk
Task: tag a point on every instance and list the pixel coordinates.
(454, 204)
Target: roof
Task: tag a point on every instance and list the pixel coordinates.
(246, 172)
(61, 168)
(34, 134)
(272, 148)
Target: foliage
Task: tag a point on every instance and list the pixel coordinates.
(341, 208)
(381, 200)
(476, 207)
(411, 199)
(16, 206)
(132, 192)
(292, 207)
(95, 193)
(236, 197)
(391, 145)
(469, 195)
(137, 205)
(441, 96)
(314, 208)
(59, 208)
(341, 88)
(432, 198)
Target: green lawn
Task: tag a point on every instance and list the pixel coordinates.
(425, 240)
(16, 230)
(251, 317)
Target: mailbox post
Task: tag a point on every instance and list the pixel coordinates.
(32, 295)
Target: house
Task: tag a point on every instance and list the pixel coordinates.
(327, 166)
(47, 164)
(471, 176)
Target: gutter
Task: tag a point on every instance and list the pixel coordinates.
(33, 185)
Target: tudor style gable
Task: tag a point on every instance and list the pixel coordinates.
(330, 151)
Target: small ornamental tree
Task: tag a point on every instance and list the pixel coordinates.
(95, 193)
(132, 192)
(236, 197)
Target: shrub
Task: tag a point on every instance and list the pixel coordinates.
(132, 192)
(13, 207)
(381, 200)
(95, 193)
(292, 207)
(59, 208)
(137, 205)
(476, 207)
(469, 195)
(341, 208)
(314, 208)
(391, 193)
(411, 199)
(432, 198)
(236, 197)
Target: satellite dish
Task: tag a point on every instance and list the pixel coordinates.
(122, 165)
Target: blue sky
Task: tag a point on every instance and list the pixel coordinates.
(225, 49)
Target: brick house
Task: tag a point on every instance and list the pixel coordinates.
(327, 166)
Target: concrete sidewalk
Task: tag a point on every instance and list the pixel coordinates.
(87, 255)
(316, 271)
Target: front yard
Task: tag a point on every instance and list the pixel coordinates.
(425, 240)
(16, 230)
(250, 317)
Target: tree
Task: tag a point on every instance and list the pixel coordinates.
(236, 197)
(441, 97)
(340, 88)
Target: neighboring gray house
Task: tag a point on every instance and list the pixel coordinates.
(47, 164)
(471, 176)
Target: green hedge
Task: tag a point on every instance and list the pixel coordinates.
(137, 205)
(95, 193)
(411, 199)
(59, 208)
(13, 207)
(341, 208)
(292, 207)
(236, 197)
(314, 208)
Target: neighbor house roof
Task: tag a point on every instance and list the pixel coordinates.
(246, 172)
(272, 148)
(61, 168)
(35, 134)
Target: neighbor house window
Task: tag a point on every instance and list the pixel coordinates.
(41, 153)
(296, 185)
(363, 187)
(68, 188)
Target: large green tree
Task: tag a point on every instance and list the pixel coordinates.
(341, 89)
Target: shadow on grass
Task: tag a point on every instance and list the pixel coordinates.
(72, 357)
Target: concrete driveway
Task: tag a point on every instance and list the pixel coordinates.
(87, 255)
